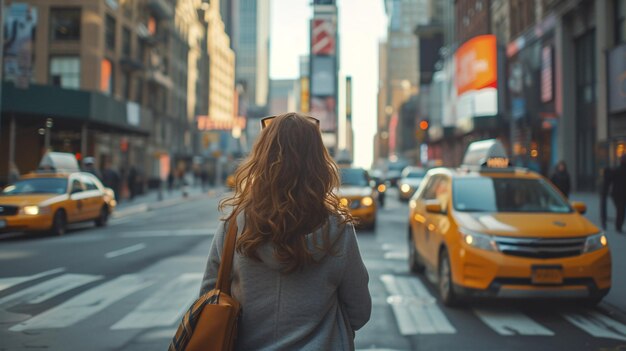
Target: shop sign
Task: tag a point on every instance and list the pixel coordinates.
(617, 79)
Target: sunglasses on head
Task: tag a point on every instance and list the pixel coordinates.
(266, 121)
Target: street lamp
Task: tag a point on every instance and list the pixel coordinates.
(46, 133)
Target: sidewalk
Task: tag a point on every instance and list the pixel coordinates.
(616, 299)
(150, 200)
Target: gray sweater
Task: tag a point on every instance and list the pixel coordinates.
(318, 308)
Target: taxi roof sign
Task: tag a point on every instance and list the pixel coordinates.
(486, 154)
(58, 162)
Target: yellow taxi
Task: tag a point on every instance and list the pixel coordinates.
(357, 194)
(54, 196)
(491, 230)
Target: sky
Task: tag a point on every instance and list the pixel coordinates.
(362, 25)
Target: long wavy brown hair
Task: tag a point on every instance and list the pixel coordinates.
(285, 188)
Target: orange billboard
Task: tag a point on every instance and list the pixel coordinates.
(476, 64)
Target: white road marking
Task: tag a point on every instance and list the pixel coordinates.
(598, 325)
(166, 233)
(166, 306)
(397, 255)
(125, 250)
(416, 311)
(6, 283)
(85, 305)
(511, 322)
(47, 290)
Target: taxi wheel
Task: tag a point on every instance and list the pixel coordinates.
(415, 264)
(59, 224)
(446, 290)
(103, 218)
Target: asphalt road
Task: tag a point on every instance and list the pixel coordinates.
(126, 286)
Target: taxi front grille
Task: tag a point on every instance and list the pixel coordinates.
(541, 248)
(8, 210)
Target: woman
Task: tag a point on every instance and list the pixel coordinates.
(561, 178)
(297, 271)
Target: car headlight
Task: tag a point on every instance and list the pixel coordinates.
(367, 201)
(405, 188)
(344, 202)
(31, 210)
(595, 242)
(480, 241)
(382, 188)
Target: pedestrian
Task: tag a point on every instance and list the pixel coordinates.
(89, 166)
(618, 192)
(170, 181)
(111, 178)
(297, 270)
(561, 179)
(132, 182)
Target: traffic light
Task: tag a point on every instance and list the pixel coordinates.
(424, 125)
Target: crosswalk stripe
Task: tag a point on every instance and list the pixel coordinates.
(47, 290)
(416, 311)
(511, 322)
(86, 304)
(6, 283)
(166, 306)
(168, 233)
(598, 325)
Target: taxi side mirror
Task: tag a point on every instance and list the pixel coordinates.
(434, 206)
(579, 207)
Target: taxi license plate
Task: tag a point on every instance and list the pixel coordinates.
(547, 275)
(3, 223)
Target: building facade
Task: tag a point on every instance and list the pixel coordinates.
(122, 81)
(250, 23)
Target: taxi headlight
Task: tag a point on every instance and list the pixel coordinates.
(367, 201)
(382, 188)
(479, 241)
(595, 242)
(33, 210)
(344, 202)
(405, 188)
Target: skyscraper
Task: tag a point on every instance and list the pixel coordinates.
(250, 30)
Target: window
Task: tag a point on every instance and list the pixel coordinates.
(89, 184)
(65, 24)
(110, 32)
(65, 72)
(126, 84)
(106, 77)
(126, 46)
(77, 186)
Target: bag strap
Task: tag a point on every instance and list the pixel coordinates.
(228, 252)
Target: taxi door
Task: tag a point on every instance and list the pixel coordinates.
(93, 199)
(423, 230)
(438, 223)
(76, 205)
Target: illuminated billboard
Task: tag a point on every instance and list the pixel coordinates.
(476, 78)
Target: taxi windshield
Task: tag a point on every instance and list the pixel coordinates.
(37, 186)
(353, 177)
(482, 194)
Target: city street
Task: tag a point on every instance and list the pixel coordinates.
(125, 287)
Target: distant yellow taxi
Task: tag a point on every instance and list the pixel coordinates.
(357, 194)
(491, 230)
(410, 181)
(51, 198)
